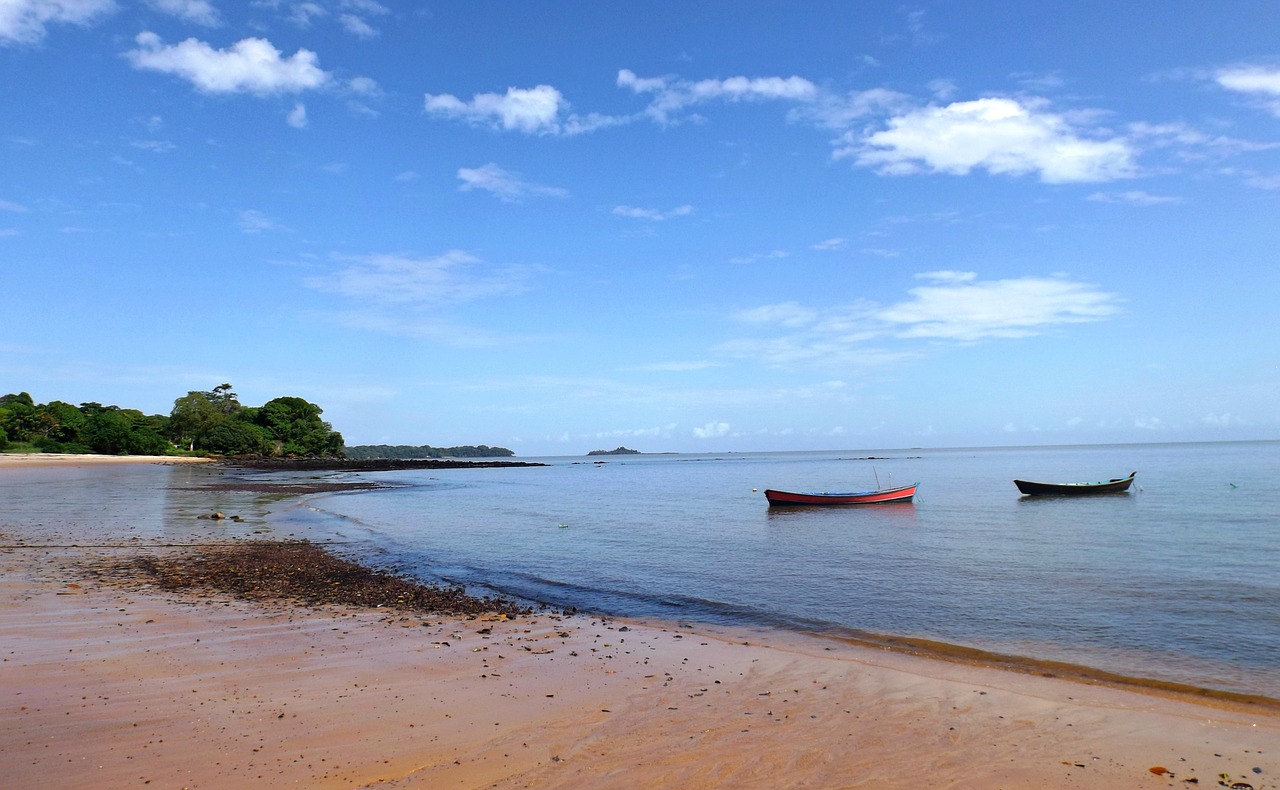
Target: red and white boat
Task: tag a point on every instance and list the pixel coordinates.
(880, 496)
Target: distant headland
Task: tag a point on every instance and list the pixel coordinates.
(615, 451)
(414, 452)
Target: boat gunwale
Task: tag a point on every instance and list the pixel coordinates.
(881, 496)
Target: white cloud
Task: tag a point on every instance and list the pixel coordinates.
(253, 221)
(530, 110)
(297, 117)
(366, 7)
(712, 430)
(829, 244)
(154, 146)
(653, 214)
(841, 112)
(356, 26)
(364, 86)
(506, 185)
(1133, 198)
(786, 314)
(251, 65)
(26, 21)
(301, 14)
(1002, 136)
(6, 205)
(201, 12)
(451, 278)
(760, 256)
(959, 307)
(1260, 82)
(956, 306)
(672, 95)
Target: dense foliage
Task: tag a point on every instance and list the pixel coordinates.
(615, 451)
(404, 451)
(212, 422)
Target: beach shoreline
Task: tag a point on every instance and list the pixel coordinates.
(109, 686)
(28, 460)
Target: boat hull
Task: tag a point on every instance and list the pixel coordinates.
(1118, 485)
(883, 496)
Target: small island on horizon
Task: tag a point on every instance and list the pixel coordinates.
(616, 451)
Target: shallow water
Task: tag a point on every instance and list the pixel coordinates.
(1178, 580)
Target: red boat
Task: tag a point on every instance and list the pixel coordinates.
(881, 496)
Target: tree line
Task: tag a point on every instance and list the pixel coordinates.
(200, 422)
(362, 452)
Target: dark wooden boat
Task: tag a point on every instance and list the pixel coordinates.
(1116, 485)
(880, 496)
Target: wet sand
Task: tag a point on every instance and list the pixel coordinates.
(107, 686)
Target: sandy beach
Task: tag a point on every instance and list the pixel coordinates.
(15, 460)
(104, 686)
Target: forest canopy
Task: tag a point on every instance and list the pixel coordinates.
(208, 422)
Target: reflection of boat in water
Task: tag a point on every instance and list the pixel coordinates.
(880, 496)
(1116, 485)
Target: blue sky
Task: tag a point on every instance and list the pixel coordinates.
(563, 226)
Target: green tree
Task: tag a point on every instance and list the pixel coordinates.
(296, 426)
(66, 422)
(108, 432)
(21, 397)
(223, 399)
(20, 420)
(4, 440)
(237, 437)
(192, 418)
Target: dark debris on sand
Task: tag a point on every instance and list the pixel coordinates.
(299, 572)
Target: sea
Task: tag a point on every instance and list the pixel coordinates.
(1176, 581)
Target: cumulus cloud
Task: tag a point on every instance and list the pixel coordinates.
(1259, 82)
(297, 117)
(712, 430)
(1001, 136)
(531, 110)
(251, 65)
(201, 12)
(510, 187)
(27, 21)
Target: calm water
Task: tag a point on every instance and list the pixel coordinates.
(1178, 580)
